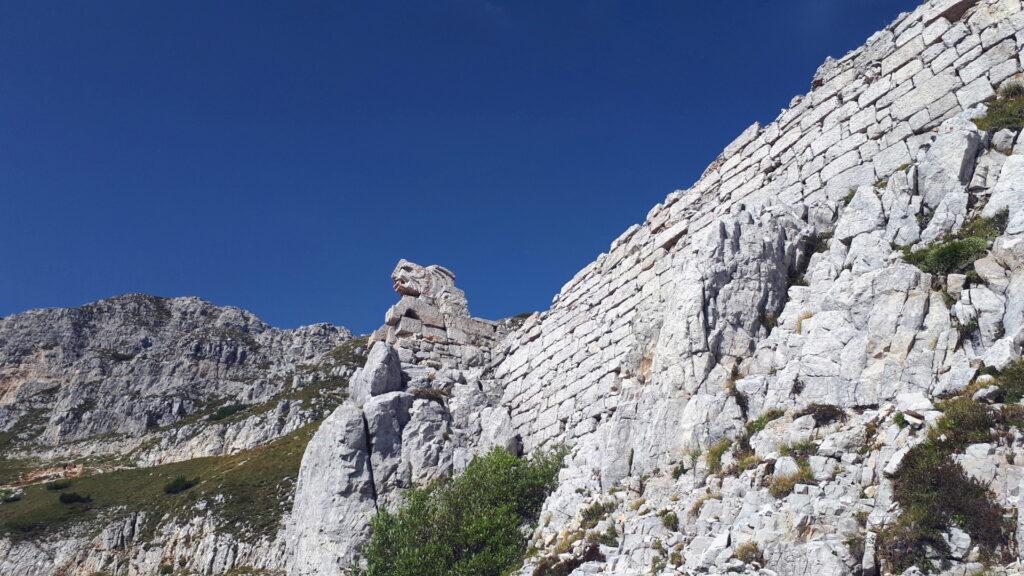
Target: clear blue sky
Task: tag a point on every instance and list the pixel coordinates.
(282, 156)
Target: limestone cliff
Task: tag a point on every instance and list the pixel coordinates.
(802, 364)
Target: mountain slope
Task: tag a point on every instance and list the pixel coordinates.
(808, 362)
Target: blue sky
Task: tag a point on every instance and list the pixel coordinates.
(282, 156)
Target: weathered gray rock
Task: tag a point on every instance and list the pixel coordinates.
(381, 374)
(334, 497)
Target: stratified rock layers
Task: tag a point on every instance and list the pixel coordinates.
(760, 326)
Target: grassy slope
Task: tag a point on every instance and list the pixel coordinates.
(255, 484)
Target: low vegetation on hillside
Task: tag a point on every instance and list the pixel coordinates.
(247, 492)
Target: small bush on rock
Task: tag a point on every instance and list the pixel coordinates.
(1007, 111)
(469, 525)
(824, 414)
(934, 493)
(595, 513)
(1011, 380)
(758, 424)
(956, 253)
(782, 486)
(669, 520)
(715, 453)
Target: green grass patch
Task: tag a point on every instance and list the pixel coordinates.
(1005, 112)
(1011, 380)
(934, 493)
(470, 525)
(758, 424)
(247, 491)
(956, 253)
(227, 411)
(715, 453)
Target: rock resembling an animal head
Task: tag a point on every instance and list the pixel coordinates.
(435, 284)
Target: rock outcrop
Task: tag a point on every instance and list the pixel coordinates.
(742, 381)
(419, 411)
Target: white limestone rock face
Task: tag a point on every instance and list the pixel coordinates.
(381, 374)
(334, 497)
(756, 357)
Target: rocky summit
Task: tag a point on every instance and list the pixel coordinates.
(809, 362)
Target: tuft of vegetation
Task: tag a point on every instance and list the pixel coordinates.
(799, 450)
(227, 411)
(900, 420)
(432, 394)
(179, 485)
(610, 537)
(823, 414)
(715, 453)
(748, 553)
(698, 504)
(934, 493)
(58, 485)
(470, 525)
(1011, 381)
(956, 253)
(678, 470)
(596, 512)
(758, 424)
(782, 486)
(1005, 112)
(849, 196)
(669, 520)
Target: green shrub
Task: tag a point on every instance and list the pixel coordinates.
(949, 257)
(900, 420)
(934, 492)
(469, 525)
(179, 485)
(675, 558)
(799, 450)
(227, 411)
(610, 537)
(1007, 111)
(956, 253)
(715, 453)
(669, 520)
(167, 569)
(58, 485)
(73, 498)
